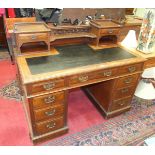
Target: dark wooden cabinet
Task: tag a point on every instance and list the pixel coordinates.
(3, 41)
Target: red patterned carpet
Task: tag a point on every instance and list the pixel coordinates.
(14, 130)
(87, 126)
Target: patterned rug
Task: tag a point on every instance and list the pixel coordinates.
(11, 91)
(130, 128)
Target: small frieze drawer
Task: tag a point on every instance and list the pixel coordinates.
(109, 31)
(82, 78)
(119, 104)
(131, 68)
(48, 113)
(33, 37)
(48, 126)
(127, 80)
(124, 92)
(52, 99)
(107, 73)
(45, 86)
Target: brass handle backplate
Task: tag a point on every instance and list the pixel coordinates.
(132, 69)
(33, 37)
(49, 99)
(83, 78)
(110, 31)
(50, 113)
(121, 103)
(107, 73)
(51, 125)
(128, 80)
(125, 90)
(49, 86)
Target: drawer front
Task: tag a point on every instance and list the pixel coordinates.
(48, 126)
(127, 81)
(82, 78)
(32, 37)
(48, 100)
(107, 73)
(119, 104)
(131, 68)
(47, 113)
(124, 30)
(124, 92)
(88, 77)
(45, 86)
(150, 63)
(109, 31)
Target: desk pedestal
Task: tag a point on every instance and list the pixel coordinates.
(110, 97)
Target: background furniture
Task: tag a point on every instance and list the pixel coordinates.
(3, 42)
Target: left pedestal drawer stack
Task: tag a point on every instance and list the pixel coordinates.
(47, 115)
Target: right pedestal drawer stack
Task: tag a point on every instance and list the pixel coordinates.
(114, 96)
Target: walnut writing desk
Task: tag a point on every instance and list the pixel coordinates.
(109, 76)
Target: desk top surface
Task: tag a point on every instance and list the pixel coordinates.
(72, 59)
(72, 56)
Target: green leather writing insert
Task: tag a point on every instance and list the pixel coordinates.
(72, 56)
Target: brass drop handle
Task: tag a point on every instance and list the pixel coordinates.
(33, 37)
(132, 69)
(83, 78)
(51, 125)
(107, 73)
(121, 103)
(50, 113)
(49, 99)
(49, 86)
(110, 31)
(124, 90)
(128, 80)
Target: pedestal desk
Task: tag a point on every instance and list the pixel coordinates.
(108, 76)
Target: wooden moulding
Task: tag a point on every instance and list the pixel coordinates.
(30, 27)
(50, 135)
(107, 23)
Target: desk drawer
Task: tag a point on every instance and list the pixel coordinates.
(47, 126)
(131, 68)
(109, 31)
(107, 73)
(119, 104)
(48, 100)
(88, 77)
(124, 92)
(24, 38)
(45, 86)
(127, 81)
(47, 113)
(150, 62)
(82, 78)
